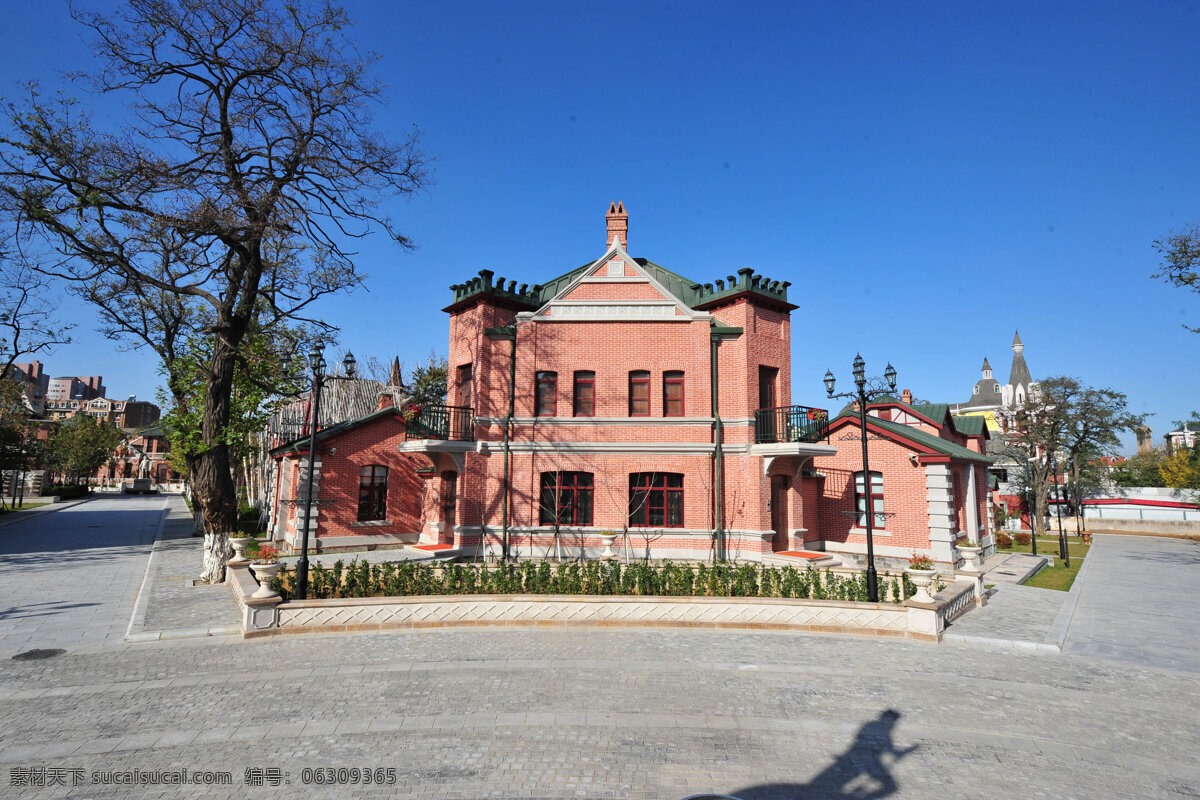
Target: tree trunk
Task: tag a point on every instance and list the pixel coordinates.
(212, 473)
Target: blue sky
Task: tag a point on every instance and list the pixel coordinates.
(929, 176)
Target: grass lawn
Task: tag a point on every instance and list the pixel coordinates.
(26, 507)
(1056, 577)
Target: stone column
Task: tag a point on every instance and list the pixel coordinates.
(972, 501)
(940, 496)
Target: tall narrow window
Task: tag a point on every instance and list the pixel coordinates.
(673, 394)
(567, 497)
(372, 493)
(639, 393)
(656, 500)
(464, 385)
(876, 498)
(585, 394)
(547, 394)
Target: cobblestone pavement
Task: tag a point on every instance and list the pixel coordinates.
(69, 578)
(1014, 614)
(528, 713)
(173, 605)
(1138, 602)
(532, 713)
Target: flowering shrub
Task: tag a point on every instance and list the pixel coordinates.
(266, 555)
(918, 561)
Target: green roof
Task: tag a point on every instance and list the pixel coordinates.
(935, 443)
(335, 430)
(935, 411)
(694, 295)
(973, 425)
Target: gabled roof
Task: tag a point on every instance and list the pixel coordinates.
(916, 438)
(973, 425)
(334, 431)
(697, 296)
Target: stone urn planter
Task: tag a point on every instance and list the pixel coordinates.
(972, 557)
(922, 579)
(265, 573)
(239, 545)
(608, 539)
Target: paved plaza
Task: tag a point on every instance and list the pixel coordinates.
(534, 713)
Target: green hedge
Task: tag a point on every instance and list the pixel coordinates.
(405, 578)
(65, 492)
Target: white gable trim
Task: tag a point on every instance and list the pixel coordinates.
(592, 310)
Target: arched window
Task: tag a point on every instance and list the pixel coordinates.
(673, 394)
(585, 394)
(372, 493)
(639, 393)
(547, 394)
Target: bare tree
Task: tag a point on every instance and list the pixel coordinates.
(229, 204)
(28, 321)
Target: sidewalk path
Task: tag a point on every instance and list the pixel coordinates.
(169, 605)
(68, 578)
(1138, 603)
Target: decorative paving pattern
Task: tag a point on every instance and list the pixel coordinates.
(695, 612)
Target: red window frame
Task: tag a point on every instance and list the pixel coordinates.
(656, 500)
(372, 493)
(585, 382)
(673, 406)
(877, 507)
(639, 392)
(570, 494)
(546, 397)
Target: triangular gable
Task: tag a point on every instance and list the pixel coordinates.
(615, 287)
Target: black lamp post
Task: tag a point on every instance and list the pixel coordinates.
(316, 363)
(1029, 494)
(864, 395)
(1063, 552)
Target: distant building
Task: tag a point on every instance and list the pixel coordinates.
(131, 413)
(34, 382)
(997, 402)
(75, 388)
(1183, 437)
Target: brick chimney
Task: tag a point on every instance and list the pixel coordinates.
(618, 224)
(906, 397)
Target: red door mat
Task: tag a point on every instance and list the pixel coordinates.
(801, 554)
(433, 547)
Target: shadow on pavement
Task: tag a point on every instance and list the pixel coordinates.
(860, 773)
(39, 609)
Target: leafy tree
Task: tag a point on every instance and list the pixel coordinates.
(1140, 470)
(429, 381)
(1064, 424)
(82, 445)
(229, 202)
(1180, 266)
(1181, 470)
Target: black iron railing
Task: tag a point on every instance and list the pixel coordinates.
(455, 423)
(790, 424)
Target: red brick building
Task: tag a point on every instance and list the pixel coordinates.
(928, 484)
(621, 397)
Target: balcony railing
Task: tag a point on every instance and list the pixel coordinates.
(790, 424)
(453, 423)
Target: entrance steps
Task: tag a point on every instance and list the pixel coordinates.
(801, 559)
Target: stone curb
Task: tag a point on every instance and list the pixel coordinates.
(138, 618)
(183, 633)
(50, 508)
(1058, 630)
(1062, 622)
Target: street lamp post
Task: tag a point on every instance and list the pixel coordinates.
(1063, 551)
(1029, 494)
(864, 395)
(316, 362)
